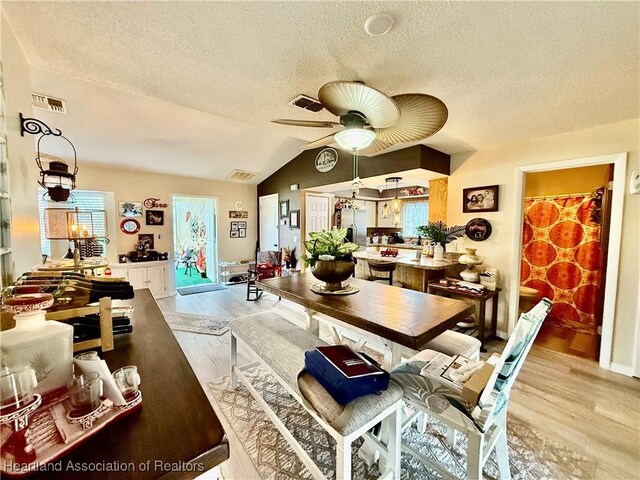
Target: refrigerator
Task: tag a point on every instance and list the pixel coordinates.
(355, 221)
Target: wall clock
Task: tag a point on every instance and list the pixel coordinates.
(130, 226)
(478, 229)
(326, 160)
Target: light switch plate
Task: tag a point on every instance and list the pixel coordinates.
(634, 183)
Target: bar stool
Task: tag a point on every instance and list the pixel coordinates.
(377, 267)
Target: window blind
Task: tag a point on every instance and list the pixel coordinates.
(414, 214)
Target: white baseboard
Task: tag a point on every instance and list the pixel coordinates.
(623, 369)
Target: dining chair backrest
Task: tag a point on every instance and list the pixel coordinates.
(496, 393)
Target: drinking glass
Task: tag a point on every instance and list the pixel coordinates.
(90, 355)
(127, 380)
(84, 393)
(16, 387)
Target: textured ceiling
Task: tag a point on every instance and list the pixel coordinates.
(508, 71)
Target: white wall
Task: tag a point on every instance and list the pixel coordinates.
(23, 173)
(498, 167)
(137, 186)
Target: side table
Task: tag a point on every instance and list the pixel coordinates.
(481, 299)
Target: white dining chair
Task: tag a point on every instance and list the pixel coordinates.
(484, 424)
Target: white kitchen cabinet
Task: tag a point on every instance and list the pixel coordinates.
(158, 277)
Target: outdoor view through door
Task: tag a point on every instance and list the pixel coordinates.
(194, 240)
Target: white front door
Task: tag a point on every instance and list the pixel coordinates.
(269, 219)
(317, 213)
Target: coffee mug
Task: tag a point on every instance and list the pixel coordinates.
(85, 392)
(16, 387)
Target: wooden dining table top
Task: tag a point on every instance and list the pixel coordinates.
(406, 317)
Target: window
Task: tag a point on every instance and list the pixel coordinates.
(414, 214)
(84, 200)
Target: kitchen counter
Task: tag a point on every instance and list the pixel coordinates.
(406, 246)
(411, 273)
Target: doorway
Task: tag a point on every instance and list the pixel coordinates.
(195, 239)
(563, 257)
(317, 212)
(269, 222)
(572, 271)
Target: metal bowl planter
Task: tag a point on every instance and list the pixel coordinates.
(333, 273)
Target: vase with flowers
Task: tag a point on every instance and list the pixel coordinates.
(330, 257)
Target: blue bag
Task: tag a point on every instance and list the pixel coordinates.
(356, 376)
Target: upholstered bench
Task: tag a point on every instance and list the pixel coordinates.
(280, 347)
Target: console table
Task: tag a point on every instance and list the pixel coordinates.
(481, 299)
(176, 433)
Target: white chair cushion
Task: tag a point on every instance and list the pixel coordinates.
(455, 343)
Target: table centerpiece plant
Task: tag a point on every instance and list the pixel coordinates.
(330, 257)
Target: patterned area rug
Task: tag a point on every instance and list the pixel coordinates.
(189, 322)
(531, 455)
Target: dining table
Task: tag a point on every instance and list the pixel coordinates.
(399, 320)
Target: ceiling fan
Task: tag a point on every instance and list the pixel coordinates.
(370, 121)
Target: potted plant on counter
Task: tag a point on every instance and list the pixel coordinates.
(330, 257)
(440, 234)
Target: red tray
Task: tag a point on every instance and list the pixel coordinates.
(49, 435)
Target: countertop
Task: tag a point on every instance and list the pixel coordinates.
(425, 262)
(406, 246)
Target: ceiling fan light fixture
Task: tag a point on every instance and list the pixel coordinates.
(354, 138)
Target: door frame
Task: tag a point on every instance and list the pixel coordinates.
(277, 197)
(216, 216)
(619, 162)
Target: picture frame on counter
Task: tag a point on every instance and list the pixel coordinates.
(294, 219)
(147, 239)
(480, 199)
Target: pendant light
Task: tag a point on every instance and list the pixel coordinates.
(386, 210)
(395, 205)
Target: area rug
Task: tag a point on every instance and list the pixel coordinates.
(531, 455)
(207, 287)
(189, 322)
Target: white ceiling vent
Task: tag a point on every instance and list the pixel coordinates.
(48, 103)
(307, 103)
(242, 175)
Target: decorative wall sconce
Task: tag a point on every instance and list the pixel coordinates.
(57, 179)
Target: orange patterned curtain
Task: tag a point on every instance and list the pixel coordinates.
(561, 258)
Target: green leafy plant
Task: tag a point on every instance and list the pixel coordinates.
(330, 243)
(439, 232)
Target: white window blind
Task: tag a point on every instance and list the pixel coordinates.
(84, 200)
(414, 214)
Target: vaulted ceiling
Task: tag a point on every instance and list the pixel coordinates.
(173, 86)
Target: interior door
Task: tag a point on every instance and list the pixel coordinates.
(317, 213)
(211, 247)
(269, 219)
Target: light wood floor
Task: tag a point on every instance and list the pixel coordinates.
(567, 399)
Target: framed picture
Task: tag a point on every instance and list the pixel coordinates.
(234, 225)
(146, 238)
(234, 233)
(238, 214)
(130, 209)
(243, 232)
(122, 258)
(242, 224)
(154, 217)
(284, 209)
(294, 218)
(480, 199)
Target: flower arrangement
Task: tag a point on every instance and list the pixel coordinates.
(439, 232)
(328, 245)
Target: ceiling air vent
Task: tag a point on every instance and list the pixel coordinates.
(242, 175)
(48, 103)
(307, 103)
